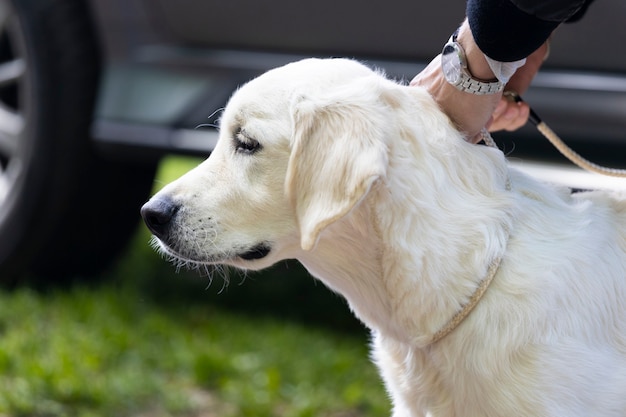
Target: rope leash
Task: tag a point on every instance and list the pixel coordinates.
(558, 143)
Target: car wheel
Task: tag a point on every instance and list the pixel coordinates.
(64, 210)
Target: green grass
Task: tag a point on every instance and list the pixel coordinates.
(149, 342)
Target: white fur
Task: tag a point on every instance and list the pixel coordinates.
(368, 184)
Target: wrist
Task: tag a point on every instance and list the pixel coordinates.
(467, 70)
(477, 64)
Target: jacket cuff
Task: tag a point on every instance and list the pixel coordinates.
(505, 33)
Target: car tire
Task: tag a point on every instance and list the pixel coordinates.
(65, 211)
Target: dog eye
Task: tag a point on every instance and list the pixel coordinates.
(245, 144)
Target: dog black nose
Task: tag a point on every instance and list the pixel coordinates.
(158, 214)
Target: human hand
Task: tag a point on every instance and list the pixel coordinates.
(509, 114)
(469, 112)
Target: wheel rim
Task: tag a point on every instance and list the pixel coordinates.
(13, 105)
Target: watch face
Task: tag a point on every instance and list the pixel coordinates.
(451, 64)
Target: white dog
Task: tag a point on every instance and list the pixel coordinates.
(487, 292)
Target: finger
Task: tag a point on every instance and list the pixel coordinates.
(520, 119)
(514, 116)
(502, 116)
(500, 108)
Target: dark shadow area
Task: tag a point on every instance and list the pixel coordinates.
(285, 292)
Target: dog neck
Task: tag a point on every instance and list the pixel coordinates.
(472, 302)
(455, 221)
(484, 284)
(416, 249)
(347, 259)
(425, 257)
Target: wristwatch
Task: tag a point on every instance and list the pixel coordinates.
(454, 66)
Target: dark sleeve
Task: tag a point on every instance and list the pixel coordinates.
(508, 30)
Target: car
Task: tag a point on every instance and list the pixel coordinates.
(94, 92)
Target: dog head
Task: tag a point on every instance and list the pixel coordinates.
(299, 148)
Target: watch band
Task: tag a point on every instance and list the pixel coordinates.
(454, 65)
(474, 86)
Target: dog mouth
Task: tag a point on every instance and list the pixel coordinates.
(182, 254)
(257, 252)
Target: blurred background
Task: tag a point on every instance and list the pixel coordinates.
(99, 104)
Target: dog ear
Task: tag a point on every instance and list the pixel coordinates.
(338, 152)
